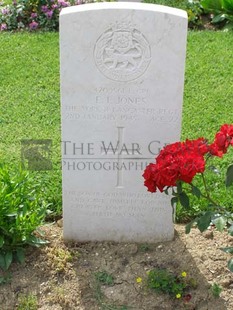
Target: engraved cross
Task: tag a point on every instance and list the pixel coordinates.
(118, 151)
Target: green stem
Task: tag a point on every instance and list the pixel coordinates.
(207, 197)
(207, 192)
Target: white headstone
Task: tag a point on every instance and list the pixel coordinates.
(122, 76)
(129, 0)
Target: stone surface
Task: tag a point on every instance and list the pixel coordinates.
(122, 76)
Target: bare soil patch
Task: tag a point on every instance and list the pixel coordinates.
(62, 276)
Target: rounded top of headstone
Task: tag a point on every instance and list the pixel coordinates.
(124, 5)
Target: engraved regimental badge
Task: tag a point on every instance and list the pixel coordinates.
(122, 53)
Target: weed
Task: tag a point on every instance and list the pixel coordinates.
(104, 278)
(164, 281)
(27, 302)
(216, 290)
(145, 247)
(58, 295)
(59, 259)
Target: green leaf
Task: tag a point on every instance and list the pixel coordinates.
(1, 241)
(230, 230)
(40, 231)
(179, 187)
(8, 259)
(20, 254)
(37, 241)
(218, 18)
(2, 262)
(212, 5)
(227, 249)
(229, 176)
(184, 200)
(204, 221)
(228, 6)
(174, 200)
(173, 192)
(220, 223)
(196, 191)
(230, 264)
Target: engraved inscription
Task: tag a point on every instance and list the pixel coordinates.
(121, 113)
(116, 205)
(121, 104)
(122, 53)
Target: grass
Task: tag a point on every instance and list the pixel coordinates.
(208, 95)
(30, 103)
(29, 100)
(208, 100)
(29, 90)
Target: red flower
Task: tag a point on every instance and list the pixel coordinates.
(191, 163)
(170, 149)
(198, 146)
(214, 150)
(181, 161)
(166, 173)
(176, 161)
(148, 176)
(223, 139)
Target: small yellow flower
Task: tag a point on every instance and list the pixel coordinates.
(184, 274)
(178, 295)
(139, 280)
